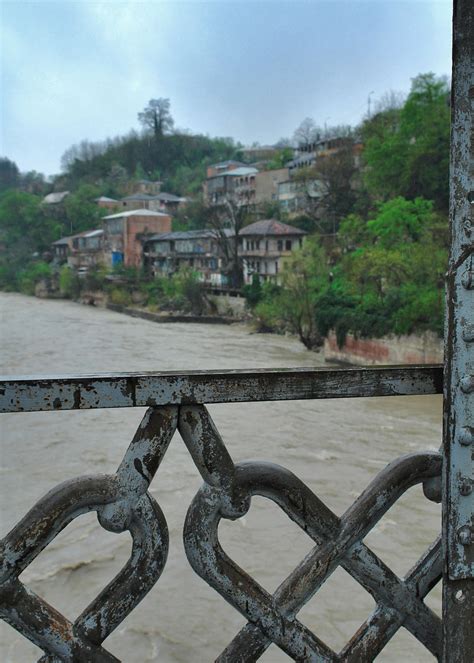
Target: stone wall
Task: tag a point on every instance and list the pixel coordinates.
(425, 348)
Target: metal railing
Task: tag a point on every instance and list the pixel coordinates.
(122, 502)
(176, 401)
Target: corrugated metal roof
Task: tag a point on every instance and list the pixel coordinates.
(188, 234)
(134, 212)
(138, 196)
(105, 199)
(86, 233)
(271, 227)
(168, 197)
(56, 197)
(225, 164)
(239, 172)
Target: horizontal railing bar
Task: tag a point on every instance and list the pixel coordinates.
(76, 392)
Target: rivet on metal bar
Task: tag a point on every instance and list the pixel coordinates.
(465, 535)
(466, 436)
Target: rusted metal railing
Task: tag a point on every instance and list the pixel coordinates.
(177, 401)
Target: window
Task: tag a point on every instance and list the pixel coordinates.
(280, 245)
(288, 245)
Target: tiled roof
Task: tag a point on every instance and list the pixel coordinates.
(271, 227)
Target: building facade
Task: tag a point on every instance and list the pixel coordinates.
(238, 185)
(123, 233)
(264, 245)
(165, 254)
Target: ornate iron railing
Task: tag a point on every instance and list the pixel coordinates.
(122, 502)
(177, 402)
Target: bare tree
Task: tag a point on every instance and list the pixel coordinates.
(307, 132)
(227, 219)
(156, 117)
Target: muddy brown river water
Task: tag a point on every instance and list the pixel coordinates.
(335, 446)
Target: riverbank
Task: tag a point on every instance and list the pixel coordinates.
(425, 348)
(167, 317)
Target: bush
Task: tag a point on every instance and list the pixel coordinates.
(120, 297)
(69, 283)
(31, 275)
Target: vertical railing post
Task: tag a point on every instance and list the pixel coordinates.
(458, 495)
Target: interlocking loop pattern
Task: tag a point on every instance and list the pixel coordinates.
(123, 503)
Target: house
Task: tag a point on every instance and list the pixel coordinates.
(161, 202)
(107, 203)
(266, 184)
(138, 201)
(200, 250)
(124, 231)
(223, 167)
(83, 250)
(61, 248)
(168, 202)
(147, 186)
(264, 246)
(237, 184)
(87, 249)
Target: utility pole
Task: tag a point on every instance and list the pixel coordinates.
(368, 103)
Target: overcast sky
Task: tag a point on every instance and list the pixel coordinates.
(248, 69)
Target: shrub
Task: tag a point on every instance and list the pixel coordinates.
(69, 283)
(31, 275)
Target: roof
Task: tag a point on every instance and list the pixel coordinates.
(92, 233)
(226, 164)
(187, 234)
(237, 172)
(168, 197)
(55, 198)
(134, 212)
(138, 196)
(105, 199)
(86, 233)
(271, 227)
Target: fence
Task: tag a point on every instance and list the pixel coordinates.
(177, 402)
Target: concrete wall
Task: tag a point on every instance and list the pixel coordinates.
(425, 348)
(228, 305)
(266, 184)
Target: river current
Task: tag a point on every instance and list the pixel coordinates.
(335, 446)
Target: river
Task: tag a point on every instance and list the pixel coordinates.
(335, 446)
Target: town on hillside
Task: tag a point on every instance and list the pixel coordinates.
(137, 230)
(335, 233)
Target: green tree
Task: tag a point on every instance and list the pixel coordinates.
(407, 149)
(9, 174)
(81, 212)
(304, 279)
(26, 232)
